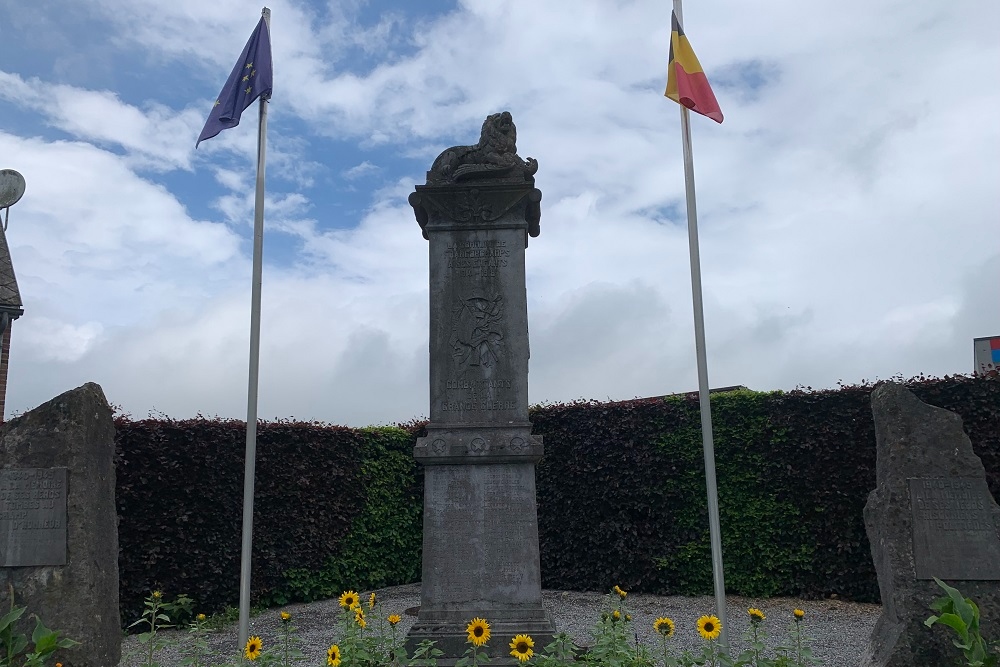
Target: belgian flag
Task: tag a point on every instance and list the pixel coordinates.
(686, 82)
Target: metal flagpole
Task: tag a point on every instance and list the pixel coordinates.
(703, 389)
(251, 451)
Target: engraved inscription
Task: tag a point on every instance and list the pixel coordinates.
(477, 330)
(469, 406)
(484, 563)
(477, 258)
(954, 536)
(32, 516)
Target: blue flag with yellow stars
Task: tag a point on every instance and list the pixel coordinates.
(250, 79)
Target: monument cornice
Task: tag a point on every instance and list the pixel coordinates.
(480, 444)
(477, 205)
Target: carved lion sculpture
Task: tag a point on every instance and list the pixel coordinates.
(494, 157)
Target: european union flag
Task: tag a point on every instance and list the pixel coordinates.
(250, 79)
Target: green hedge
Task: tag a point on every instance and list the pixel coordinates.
(621, 497)
(333, 507)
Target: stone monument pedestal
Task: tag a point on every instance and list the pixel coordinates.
(480, 549)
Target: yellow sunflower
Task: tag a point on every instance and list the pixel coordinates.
(359, 618)
(620, 592)
(285, 617)
(479, 631)
(371, 601)
(798, 615)
(394, 619)
(253, 648)
(664, 626)
(157, 595)
(348, 599)
(200, 617)
(756, 615)
(616, 615)
(520, 647)
(709, 627)
(333, 656)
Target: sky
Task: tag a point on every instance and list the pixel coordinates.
(847, 207)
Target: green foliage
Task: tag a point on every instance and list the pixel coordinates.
(382, 547)
(621, 490)
(159, 614)
(962, 615)
(14, 645)
(764, 543)
(355, 495)
(621, 497)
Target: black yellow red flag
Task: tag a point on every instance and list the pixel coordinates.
(686, 82)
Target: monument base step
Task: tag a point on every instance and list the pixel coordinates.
(452, 638)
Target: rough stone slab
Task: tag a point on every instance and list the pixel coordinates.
(916, 441)
(80, 599)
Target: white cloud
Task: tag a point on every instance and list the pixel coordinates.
(157, 137)
(846, 205)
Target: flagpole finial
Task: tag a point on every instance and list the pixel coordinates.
(266, 13)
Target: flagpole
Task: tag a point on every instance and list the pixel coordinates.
(251, 449)
(708, 446)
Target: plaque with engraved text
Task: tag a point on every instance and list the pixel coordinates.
(32, 516)
(954, 536)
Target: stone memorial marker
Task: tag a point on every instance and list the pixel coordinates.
(59, 523)
(32, 516)
(930, 515)
(480, 534)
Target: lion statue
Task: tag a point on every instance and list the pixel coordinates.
(494, 157)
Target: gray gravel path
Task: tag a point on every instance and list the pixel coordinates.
(839, 630)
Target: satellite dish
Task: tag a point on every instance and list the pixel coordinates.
(11, 191)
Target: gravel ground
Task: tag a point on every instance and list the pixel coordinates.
(839, 630)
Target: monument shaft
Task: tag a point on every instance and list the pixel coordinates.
(480, 534)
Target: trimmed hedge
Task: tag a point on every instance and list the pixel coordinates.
(327, 498)
(621, 497)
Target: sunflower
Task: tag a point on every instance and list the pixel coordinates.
(200, 617)
(348, 599)
(333, 656)
(157, 595)
(479, 631)
(709, 627)
(798, 615)
(253, 648)
(371, 601)
(616, 615)
(394, 619)
(620, 592)
(359, 618)
(756, 615)
(520, 647)
(664, 626)
(285, 617)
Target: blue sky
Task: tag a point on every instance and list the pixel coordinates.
(848, 206)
